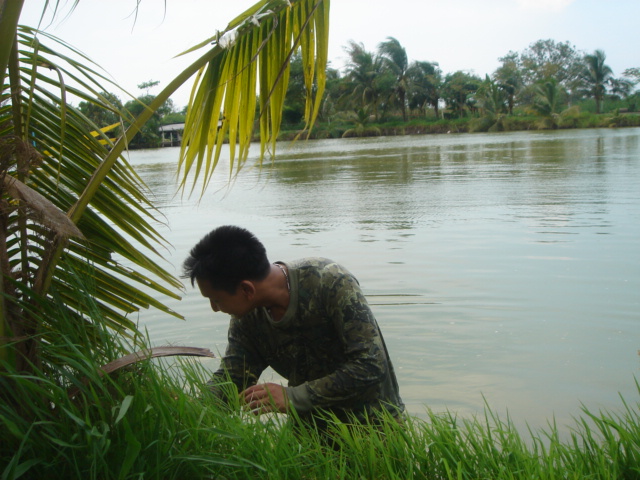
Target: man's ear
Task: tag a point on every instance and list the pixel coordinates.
(248, 288)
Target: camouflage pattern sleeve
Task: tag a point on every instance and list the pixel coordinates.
(241, 364)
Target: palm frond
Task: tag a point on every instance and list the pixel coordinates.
(119, 224)
(250, 67)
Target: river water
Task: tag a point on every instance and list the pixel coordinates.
(502, 268)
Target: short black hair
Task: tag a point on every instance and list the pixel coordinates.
(225, 257)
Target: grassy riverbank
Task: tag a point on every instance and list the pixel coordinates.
(155, 420)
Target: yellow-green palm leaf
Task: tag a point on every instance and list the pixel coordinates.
(249, 67)
(55, 155)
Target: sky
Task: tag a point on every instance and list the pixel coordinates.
(468, 35)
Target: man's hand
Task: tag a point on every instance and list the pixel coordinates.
(265, 398)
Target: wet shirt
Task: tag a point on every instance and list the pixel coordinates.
(327, 345)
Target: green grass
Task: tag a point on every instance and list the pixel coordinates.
(157, 420)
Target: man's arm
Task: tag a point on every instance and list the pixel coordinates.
(241, 365)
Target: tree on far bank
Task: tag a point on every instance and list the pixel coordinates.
(549, 98)
(542, 60)
(633, 74)
(491, 97)
(146, 86)
(101, 110)
(370, 84)
(545, 59)
(395, 59)
(425, 86)
(149, 134)
(458, 90)
(509, 78)
(595, 76)
(491, 100)
(548, 103)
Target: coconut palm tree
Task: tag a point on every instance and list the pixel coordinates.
(510, 87)
(71, 204)
(547, 103)
(491, 97)
(458, 90)
(595, 76)
(425, 83)
(509, 77)
(371, 85)
(361, 120)
(395, 59)
(548, 99)
(492, 101)
(620, 87)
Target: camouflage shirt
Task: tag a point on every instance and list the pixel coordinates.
(327, 345)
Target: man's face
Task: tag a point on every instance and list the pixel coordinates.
(237, 304)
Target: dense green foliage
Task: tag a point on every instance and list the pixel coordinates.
(545, 80)
(548, 85)
(156, 420)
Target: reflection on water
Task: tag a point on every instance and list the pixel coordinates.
(501, 265)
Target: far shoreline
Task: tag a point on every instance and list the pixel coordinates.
(515, 123)
(429, 126)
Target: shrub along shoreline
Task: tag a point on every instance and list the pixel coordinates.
(570, 119)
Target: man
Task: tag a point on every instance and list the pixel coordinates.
(307, 319)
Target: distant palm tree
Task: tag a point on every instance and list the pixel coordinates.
(425, 84)
(360, 70)
(361, 120)
(548, 97)
(510, 88)
(371, 84)
(595, 76)
(458, 91)
(492, 97)
(395, 58)
(548, 101)
(509, 77)
(492, 101)
(620, 87)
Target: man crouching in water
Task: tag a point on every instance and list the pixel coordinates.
(307, 319)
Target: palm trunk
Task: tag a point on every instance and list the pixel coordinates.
(17, 326)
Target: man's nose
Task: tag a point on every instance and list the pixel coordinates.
(214, 306)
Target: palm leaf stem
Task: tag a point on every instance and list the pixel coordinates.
(14, 83)
(9, 17)
(20, 133)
